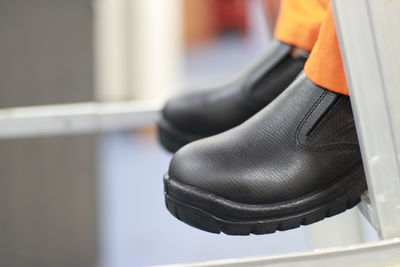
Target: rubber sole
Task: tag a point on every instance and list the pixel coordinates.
(172, 138)
(213, 214)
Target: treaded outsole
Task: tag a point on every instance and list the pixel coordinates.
(207, 222)
(215, 214)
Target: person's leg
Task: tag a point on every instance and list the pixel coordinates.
(299, 22)
(324, 66)
(224, 106)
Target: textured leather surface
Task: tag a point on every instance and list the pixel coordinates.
(302, 142)
(221, 107)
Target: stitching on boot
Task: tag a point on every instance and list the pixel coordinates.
(328, 147)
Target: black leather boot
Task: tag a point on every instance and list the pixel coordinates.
(219, 108)
(294, 163)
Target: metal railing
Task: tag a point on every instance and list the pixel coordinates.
(76, 118)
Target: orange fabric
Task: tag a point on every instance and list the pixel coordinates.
(309, 24)
(299, 22)
(325, 66)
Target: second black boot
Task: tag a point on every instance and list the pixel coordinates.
(295, 162)
(213, 110)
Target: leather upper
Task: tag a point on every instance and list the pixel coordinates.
(301, 142)
(217, 108)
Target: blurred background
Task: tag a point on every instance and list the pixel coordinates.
(97, 199)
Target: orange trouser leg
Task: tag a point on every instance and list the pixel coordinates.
(299, 22)
(324, 66)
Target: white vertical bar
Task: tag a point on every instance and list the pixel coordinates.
(110, 45)
(155, 47)
(370, 41)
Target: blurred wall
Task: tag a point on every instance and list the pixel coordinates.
(272, 11)
(48, 208)
(199, 21)
(205, 20)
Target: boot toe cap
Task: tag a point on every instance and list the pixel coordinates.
(207, 165)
